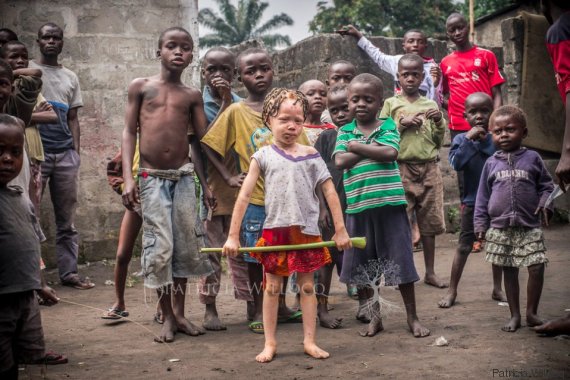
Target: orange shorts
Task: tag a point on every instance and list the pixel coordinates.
(285, 263)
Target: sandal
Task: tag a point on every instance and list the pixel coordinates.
(256, 327)
(114, 313)
(52, 358)
(296, 317)
(77, 283)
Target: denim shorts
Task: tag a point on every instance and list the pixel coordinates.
(251, 228)
(172, 232)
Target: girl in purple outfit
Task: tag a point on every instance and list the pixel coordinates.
(510, 209)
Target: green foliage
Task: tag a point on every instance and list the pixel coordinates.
(236, 25)
(384, 17)
(485, 7)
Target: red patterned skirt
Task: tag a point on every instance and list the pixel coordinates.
(285, 263)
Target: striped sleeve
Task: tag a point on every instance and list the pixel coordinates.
(388, 135)
(342, 140)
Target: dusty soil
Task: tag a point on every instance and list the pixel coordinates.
(477, 348)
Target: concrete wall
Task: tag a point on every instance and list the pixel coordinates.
(107, 43)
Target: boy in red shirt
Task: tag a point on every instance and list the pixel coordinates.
(467, 70)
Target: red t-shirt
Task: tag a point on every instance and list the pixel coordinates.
(474, 70)
(558, 45)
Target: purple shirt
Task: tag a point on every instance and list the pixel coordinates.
(513, 185)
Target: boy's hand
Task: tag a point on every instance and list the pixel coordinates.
(43, 107)
(476, 134)
(349, 30)
(435, 72)
(130, 195)
(434, 114)
(231, 247)
(342, 239)
(237, 180)
(48, 295)
(414, 121)
(325, 220)
(480, 236)
(224, 89)
(209, 197)
(545, 215)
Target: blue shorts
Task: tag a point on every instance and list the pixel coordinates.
(172, 232)
(251, 228)
(388, 247)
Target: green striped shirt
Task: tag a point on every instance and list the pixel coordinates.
(370, 183)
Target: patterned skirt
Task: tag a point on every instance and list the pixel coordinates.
(285, 263)
(515, 247)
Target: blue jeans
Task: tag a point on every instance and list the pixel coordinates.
(251, 228)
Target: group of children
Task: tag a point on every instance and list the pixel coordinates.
(327, 161)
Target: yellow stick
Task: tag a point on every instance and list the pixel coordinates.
(358, 242)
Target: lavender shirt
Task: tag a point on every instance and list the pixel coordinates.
(290, 188)
(513, 185)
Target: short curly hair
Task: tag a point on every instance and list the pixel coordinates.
(515, 112)
(276, 97)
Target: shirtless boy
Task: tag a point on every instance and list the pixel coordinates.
(167, 114)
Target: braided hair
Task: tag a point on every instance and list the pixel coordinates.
(276, 97)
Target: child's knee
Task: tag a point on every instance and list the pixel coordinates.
(272, 289)
(307, 289)
(464, 249)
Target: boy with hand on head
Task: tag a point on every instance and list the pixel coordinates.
(240, 129)
(510, 209)
(337, 101)
(218, 70)
(316, 93)
(415, 42)
(7, 35)
(468, 153)
(367, 150)
(166, 114)
(340, 72)
(422, 128)
(22, 338)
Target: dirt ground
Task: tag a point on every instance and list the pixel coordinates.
(477, 348)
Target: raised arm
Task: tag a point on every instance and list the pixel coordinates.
(232, 244)
(129, 138)
(28, 71)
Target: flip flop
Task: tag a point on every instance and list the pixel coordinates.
(114, 314)
(52, 358)
(296, 317)
(256, 327)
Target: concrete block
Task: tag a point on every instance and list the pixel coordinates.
(105, 20)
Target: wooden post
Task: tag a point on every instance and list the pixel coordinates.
(472, 20)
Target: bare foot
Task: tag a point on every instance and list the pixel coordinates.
(498, 295)
(417, 329)
(433, 280)
(448, 301)
(513, 325)
(374, 327)
(188, 327)
(364, 313)
(327, 320)
(316, 352)
(533, 320)
(267, 354)
(211, 320)
(167, 332)
(555, 327)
